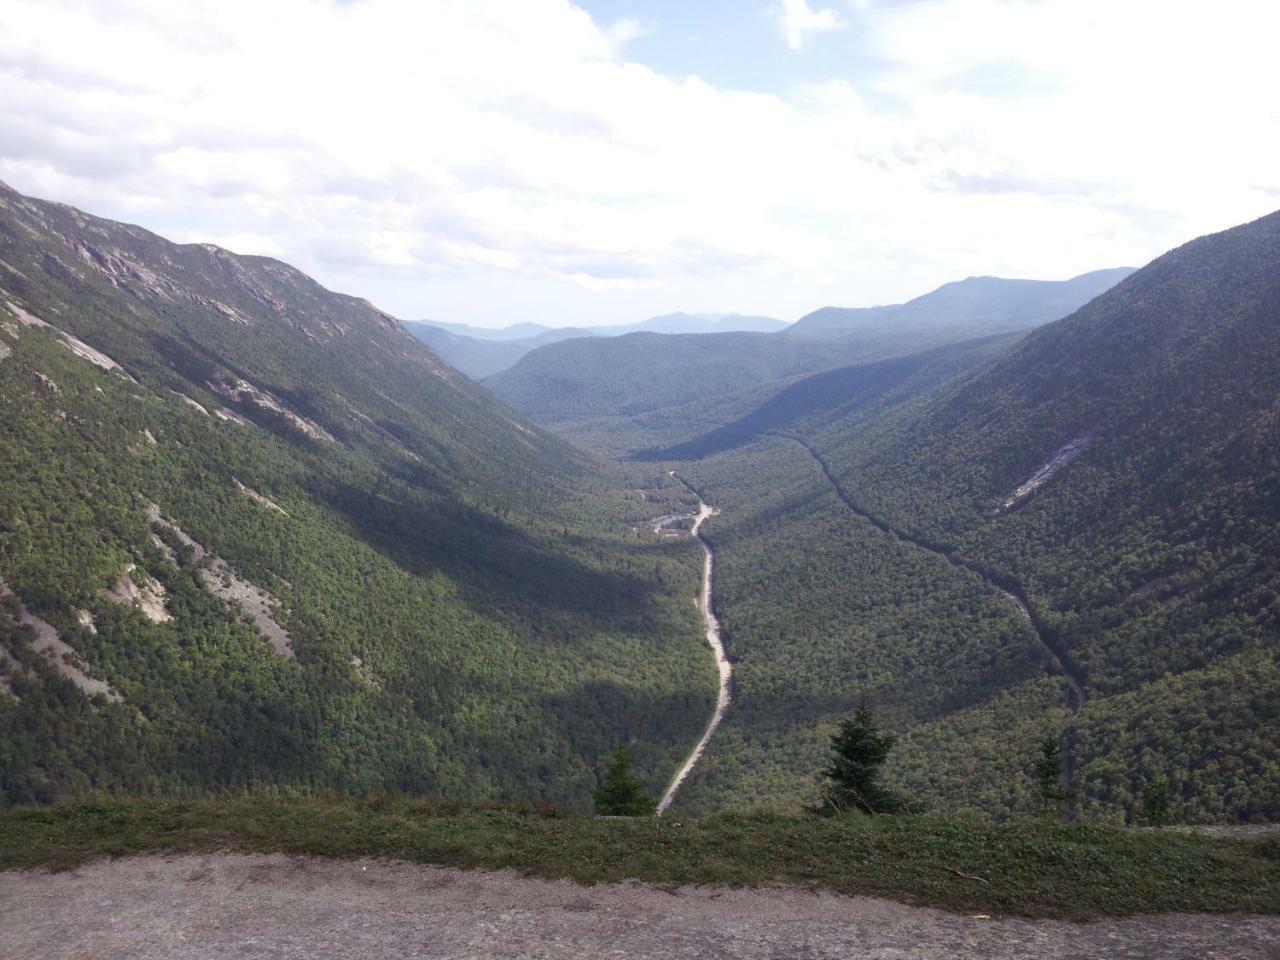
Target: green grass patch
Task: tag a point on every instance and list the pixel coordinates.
(1036, 869)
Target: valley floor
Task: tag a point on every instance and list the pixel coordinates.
(216, 905)
(706, 607)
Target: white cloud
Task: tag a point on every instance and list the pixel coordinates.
(799, 23)
(624, 31)
(243, 243)
(502, 159)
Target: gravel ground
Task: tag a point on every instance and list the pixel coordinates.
(249, 907)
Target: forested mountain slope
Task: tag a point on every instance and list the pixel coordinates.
(474, 357)
(843, 396)
(1124, 465)
(641, 372)
(1121, 469)
(252, 532)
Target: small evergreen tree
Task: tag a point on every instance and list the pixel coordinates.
(621, 794)
(1048, 773)
(852, 775)
(1048, 769)
(1153, 804)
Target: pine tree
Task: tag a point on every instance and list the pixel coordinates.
(1048, 773)
(858, 751)
(1154, 807)
(621, 794)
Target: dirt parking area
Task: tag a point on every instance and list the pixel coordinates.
(247, 907)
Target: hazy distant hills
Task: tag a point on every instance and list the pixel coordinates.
(479, 358)
(254, 534)
(668, 323)
(696, 323)
(976, 306)
(515, 331)
(587, 389)
(480, 352)
(1118, 466)
(967, 309)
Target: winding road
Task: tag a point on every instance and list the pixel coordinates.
(723, 667)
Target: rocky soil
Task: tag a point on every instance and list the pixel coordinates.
(252, 907)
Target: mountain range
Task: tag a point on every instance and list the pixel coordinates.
(255, 533)
(971, 308)
(667, 323)
(639, 391)
(974, 306)
(480, 352)
(479, 358)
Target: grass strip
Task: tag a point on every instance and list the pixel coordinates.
(1033, 869)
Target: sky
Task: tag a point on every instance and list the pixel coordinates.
(502, 161)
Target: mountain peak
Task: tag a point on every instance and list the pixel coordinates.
(979, 304)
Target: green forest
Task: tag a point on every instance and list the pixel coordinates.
(1146, 557)
(469, 611)
(254, 535)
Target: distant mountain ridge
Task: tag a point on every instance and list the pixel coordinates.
(480, 352)
(696, 323)
(585, 388)
(990, 304)
(678, 322)
(966, 309)
(479, 358)
(515, 331)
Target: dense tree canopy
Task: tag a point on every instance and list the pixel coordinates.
(469, 611)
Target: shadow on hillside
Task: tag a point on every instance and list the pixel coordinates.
(499, 569)
(897, 702)
(601, 715)
(822, 392)
(865, 387)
